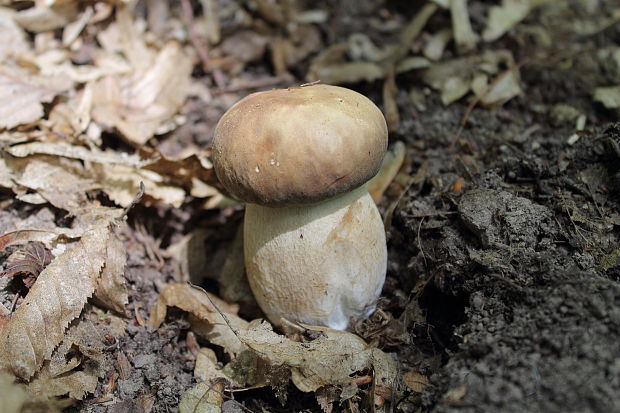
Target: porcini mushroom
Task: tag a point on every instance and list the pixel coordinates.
(314, 242)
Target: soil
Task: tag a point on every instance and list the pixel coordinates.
(503, 282)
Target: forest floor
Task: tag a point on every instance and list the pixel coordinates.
(503, 284)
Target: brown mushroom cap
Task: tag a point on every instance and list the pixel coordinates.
(298, 145)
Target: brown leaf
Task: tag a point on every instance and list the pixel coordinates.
(24, 94)
(29, 260)
(75, 383)
(82, 342)
(204, 397)
(60, 181)
(36, 235)
(143, 104)
(111, 291)
(215, 327)
(415, 381)
(57, 297)
(330, 359)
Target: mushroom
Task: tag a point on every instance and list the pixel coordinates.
(314, 241)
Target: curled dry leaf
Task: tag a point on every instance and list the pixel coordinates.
(29, 260)
(83, 346)
(219, 318)
(111, 292)
(62, 181)
(57, 297)
(45, 236)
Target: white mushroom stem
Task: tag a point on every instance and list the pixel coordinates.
(321, 264)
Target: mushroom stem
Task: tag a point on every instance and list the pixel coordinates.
(320, 264)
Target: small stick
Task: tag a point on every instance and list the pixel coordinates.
(203, 52)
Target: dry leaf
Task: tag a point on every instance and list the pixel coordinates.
(57, 297)
(23, 94)
(218, 323)
(351, 72)
(464, 36)
(46, 236)
(60, 181)
(392, 162)
(75, 383)
(141, 105)
(111, 291)
(122, 183)
(67, 150)
(331, 359)
(505, 17)
(207, 369)
(415, 381)
(29, 260)
(13, 37)
(41, 18)
(205, 397)
(71, 118)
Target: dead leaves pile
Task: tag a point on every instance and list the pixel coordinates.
(321, 358)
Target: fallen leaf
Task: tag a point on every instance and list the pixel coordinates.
(204, 397)
(142, 103)
(76, 384)
(67, 150)
(435, 46)
(332, 358)
(504, 88)
(505, 17)
(56, 298)
(111, 291)
(60, 181)
(42, 18)
(24, 94)
(37, 235)
(13, 37)
(609, 96)
(392, 161)
(415, 381)
(220, 319)
(464, 36)
(29, 260)
(351, 72)
(122, 183)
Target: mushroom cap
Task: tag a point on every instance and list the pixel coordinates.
(298, 145)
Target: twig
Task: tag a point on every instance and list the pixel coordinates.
(420, 243)
(201, 49)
